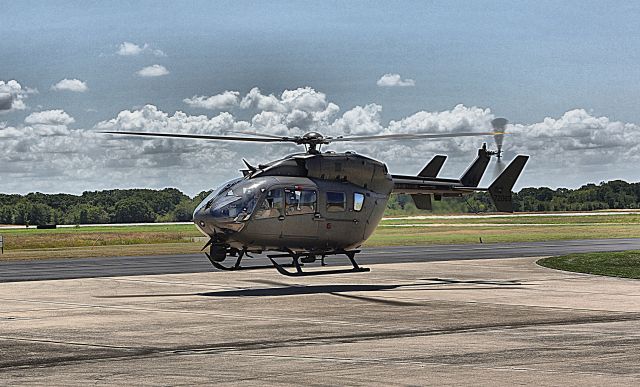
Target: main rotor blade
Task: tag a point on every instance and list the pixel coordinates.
(256, 134)
(203, 136)
(409, 136)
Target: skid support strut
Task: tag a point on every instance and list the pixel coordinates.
(300, 273)
(237, 266)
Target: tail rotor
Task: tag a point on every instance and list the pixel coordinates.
(499, 129)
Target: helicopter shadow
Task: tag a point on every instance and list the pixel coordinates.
(280, 289)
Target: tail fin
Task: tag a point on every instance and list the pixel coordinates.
(434, 166)
(500, 189)
(473, 174)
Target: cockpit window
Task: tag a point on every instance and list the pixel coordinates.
(300, 201)
(234, 201)
(336, 201)
(272, 205)
(358, 201)
(225, 187)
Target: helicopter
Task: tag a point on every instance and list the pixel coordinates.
(315, 204)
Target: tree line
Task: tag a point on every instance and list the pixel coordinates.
(171, 205)
(98, 207)
(615, 194)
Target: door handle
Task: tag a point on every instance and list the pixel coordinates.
(281, 217)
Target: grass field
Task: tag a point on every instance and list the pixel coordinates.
(625, 264)
(175, 239)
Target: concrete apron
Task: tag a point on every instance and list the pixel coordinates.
(503, 321)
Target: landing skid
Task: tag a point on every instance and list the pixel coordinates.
(295, 262)
(300, 273)
(237, 267)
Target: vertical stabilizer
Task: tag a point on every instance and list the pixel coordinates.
(433, 168)
(500, 189)
(473, 174)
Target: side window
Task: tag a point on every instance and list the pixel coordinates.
(358, 201)
(272, 205)
(336, 201)
(300, 201)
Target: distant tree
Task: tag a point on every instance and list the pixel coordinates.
(9, 200)
(87, 214)
(169, 204)
(21, 213)
(183, 212)
(34, 214)
(6, 214)
(133, 210)
(40, 214)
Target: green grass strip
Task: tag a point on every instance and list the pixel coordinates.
(624, 264)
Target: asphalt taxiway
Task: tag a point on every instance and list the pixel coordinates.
(197, 263)
(482, 321)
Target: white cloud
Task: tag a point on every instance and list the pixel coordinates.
(132, 49)
(393, 80)
(71, 85)
(459, 119)
(45, 154)
(226, 100)
(49, 117)
(359, 121)
(6, 101)
(303, 108)
(255, 99)
(577, 141)
(12, 96)
(155, 70)
(151, 118)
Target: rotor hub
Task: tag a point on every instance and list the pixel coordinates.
(313, 140)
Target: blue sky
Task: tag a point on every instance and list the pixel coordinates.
(523, 60)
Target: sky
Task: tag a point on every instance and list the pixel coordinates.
(565, 74)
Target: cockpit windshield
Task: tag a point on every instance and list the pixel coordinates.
(208, 201)
(234, 200)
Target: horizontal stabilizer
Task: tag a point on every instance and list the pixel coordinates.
(433, 168)
(473, 175)
(422, 202)
(500, 189)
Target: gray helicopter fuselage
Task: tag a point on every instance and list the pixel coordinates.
(320, 204)
(304, 202)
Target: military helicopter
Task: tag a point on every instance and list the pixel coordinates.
(311, 205)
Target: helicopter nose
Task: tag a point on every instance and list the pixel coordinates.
(201, 219)
(198, 216)
(211, 221)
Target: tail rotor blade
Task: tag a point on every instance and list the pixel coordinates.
(499, 128)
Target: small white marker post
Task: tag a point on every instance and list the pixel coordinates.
(2, 243)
